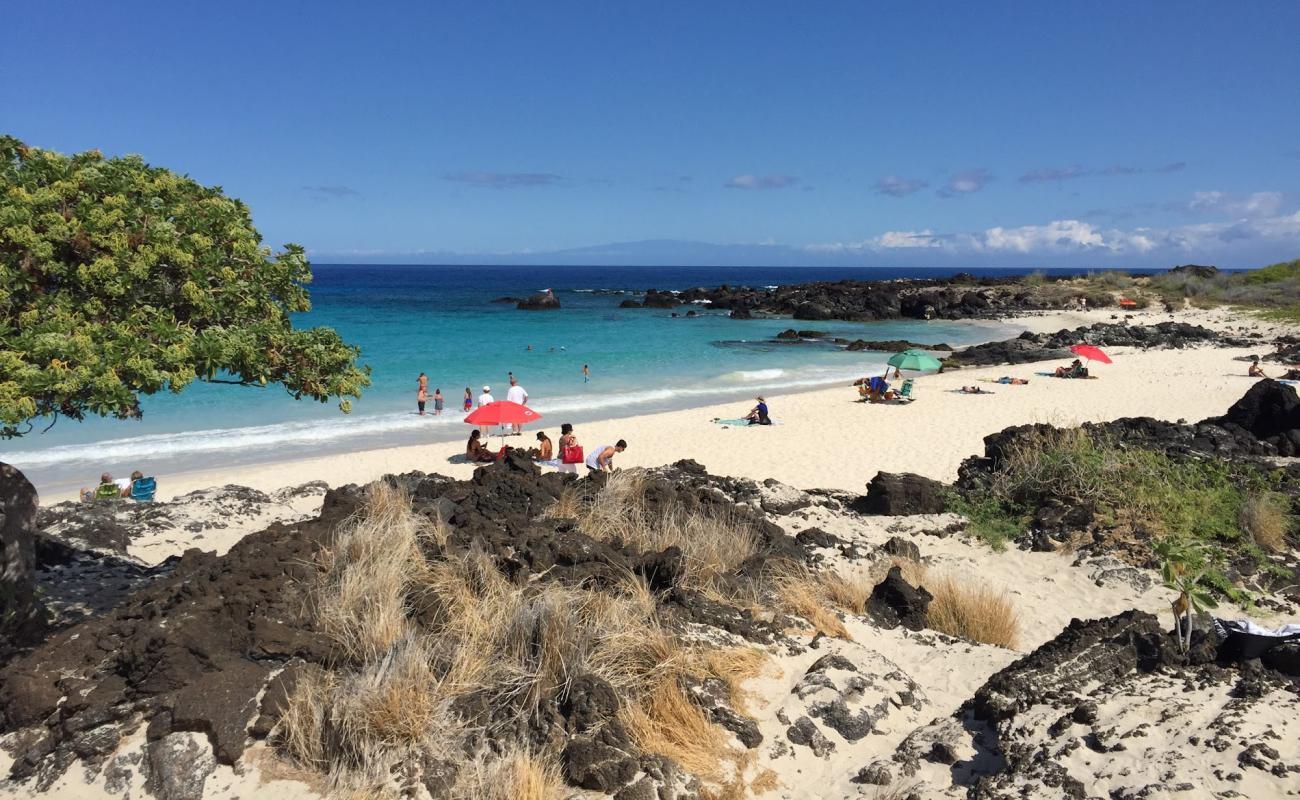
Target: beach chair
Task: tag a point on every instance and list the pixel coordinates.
(905, 393)
(107, 491)
(142, 490)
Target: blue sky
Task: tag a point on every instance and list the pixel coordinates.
(973, 134)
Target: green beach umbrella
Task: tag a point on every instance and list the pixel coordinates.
(913, 360)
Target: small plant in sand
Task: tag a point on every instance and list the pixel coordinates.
(1183, 569)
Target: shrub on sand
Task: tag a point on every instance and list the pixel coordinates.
(1264, 517)
(979, 613)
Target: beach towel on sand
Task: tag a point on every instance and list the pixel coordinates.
(743, 423)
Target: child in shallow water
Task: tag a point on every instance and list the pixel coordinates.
(469, 399)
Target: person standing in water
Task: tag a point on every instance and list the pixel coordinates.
(421, 392)
(469, 400)
(586, 374)
(437, 402)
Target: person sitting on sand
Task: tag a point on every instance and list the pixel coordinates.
(1075, 370)
(758, 414)
(1012, 381)
(105, 481)
(567, 439)
(474, 449)
(1255, 370)
(602, 458)
(544, 451)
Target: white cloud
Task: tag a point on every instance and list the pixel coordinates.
(1258, 204)
(966, 182)
(1072, 236)
(761, 182)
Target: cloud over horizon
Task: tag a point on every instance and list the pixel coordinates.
(1058, 174)
(752, 182)
(504, 180)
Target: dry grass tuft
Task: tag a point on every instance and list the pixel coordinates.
(800, 592)
(518, 775)
(849, 592)
(765, 781)
(361, 603)
(978, 613)
(714, 543)
(1264, 517)
(568, 506)
(393, 702)
(669, 723)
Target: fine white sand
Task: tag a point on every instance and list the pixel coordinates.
(827, 438)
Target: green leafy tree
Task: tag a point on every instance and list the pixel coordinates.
(119, 279)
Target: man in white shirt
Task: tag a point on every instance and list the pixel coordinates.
(516, 394)
(483, 400)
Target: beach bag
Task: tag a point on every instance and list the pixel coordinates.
(571, 454)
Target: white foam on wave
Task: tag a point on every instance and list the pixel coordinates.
(749, 375)
(320, 434)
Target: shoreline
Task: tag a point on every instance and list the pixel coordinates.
(827, 439)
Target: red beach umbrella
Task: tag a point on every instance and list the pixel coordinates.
(502, 412)
(1091, 353)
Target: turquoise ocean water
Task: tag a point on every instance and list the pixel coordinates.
(441, 320)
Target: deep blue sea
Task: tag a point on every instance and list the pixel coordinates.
(440, 320)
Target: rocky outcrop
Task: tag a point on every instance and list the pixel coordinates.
(655, 299)
(542, 301)
(21, 615)
(897, 494)
(958, 297)
(1195, 270)
(1029, 347)
(1269, 412)
(895, 602)
(206, 674)
(1120, 684)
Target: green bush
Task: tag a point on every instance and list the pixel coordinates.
(1199, 500)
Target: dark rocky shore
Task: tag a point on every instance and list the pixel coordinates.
(214, 646)
(960, 296)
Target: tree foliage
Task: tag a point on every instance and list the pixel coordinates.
(119, 279)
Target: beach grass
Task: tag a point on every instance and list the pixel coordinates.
(432, 631)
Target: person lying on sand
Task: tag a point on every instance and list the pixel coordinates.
(1012, 381)
(1255, 370)
(973, 390)
(544, 451)
(474, 449)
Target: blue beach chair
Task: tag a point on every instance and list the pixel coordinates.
(142, 490)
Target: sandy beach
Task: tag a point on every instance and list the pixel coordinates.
(826, 437)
